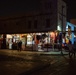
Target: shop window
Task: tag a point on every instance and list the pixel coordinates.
(47, 23)
(35, 24)
(29, 24)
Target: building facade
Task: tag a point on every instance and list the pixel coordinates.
(48, 15)
(43, 16)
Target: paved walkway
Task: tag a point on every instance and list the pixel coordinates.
(13, 62)
(34, 52)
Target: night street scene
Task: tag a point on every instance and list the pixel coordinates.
(37, 37)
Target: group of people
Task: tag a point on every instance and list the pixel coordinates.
(71, 48)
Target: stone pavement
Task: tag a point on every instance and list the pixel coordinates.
(13, 62)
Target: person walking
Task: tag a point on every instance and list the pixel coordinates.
(19, 45)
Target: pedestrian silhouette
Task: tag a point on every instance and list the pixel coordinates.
(71, 50)
(19, 45)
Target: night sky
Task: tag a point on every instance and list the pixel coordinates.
(9, 7)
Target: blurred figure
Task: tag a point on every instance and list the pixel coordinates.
(74, 48)
(19, 45)
(71, 50)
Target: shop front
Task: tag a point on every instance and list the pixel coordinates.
(33, 41)
(13, 39)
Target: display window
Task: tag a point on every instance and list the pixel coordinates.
(29, 39)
